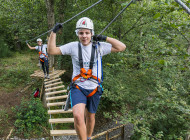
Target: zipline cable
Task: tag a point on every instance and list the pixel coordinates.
(183, 5)
(103, 31)
(117, 16)
(67, 20)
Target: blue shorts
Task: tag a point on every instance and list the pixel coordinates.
(79, 96)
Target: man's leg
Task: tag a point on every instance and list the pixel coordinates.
(47, 67)
(43, 68)
(79, 120)
(90, 122)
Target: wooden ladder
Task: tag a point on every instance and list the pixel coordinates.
(56, 96)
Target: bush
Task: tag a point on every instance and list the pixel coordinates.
(31, 118)
(154, 100)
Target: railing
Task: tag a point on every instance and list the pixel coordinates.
(106, 133)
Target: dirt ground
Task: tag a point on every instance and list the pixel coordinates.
(7, 101)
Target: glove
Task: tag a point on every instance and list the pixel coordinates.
(57, 27)
(99, 38)
(26, 41)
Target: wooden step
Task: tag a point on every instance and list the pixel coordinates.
(55, 80)
(51, 78)
(62, 132)
(59, 111)
(53, 88)
(58, 83)
(55, 104)
(56, 92)
(56, 97)
(55, 74)
(62, 120)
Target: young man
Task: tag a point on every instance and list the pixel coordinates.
(43, 56)
(86, 90)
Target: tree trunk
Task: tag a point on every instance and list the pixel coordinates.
(51, 22)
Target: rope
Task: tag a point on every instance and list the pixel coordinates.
(183, 5)
(116, 16)
(66, 21)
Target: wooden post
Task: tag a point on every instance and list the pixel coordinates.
(123, 133)
(107, 136)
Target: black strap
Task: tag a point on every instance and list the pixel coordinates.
(80, 55)
(92, 55)
(41, 47)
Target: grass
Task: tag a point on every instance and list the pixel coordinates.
(15, 71)
(15, 74)
(4, 119)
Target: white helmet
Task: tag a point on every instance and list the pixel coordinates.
(84, 23)
(39, 39)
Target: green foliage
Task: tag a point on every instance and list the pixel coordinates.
(4, 119)
(15, 70)
(31, 118)
(4, 49)
(146, 85)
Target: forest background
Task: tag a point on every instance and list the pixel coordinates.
(147, 85)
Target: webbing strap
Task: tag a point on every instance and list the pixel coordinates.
(92, 56)
(92, 93)
(80, 55)
(41, 47)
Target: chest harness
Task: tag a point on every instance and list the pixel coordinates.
(87, 74)
(40, 52)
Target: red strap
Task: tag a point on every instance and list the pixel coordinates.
(42, 53)
(92, 93)
(41, 59)
(85, 75)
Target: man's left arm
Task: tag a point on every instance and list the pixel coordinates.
(117, 46)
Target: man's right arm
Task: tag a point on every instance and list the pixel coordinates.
(32, 48)
(52, 49)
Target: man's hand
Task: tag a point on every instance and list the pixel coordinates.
(26, 41)
(57, 27)
(99, 38)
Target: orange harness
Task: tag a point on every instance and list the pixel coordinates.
(41, 59)
(86, 75)
(40, 52)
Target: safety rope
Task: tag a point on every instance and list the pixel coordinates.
(117, 16)
(103, 31)
(66, 21)
(183, 5)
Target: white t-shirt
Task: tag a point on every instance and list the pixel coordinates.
(43, 49)
(72, 50)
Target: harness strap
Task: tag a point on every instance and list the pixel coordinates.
(41, 59)
(91, 94)
(40, 52)
(83, 72)
(86, 74)
(92, 55)
(80, 55)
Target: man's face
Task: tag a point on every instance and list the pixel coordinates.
(39, 43)
(85, 36)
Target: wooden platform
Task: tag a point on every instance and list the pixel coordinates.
(53, 75)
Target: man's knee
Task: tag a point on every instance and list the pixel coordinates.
(90, 116)
(78, 113)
